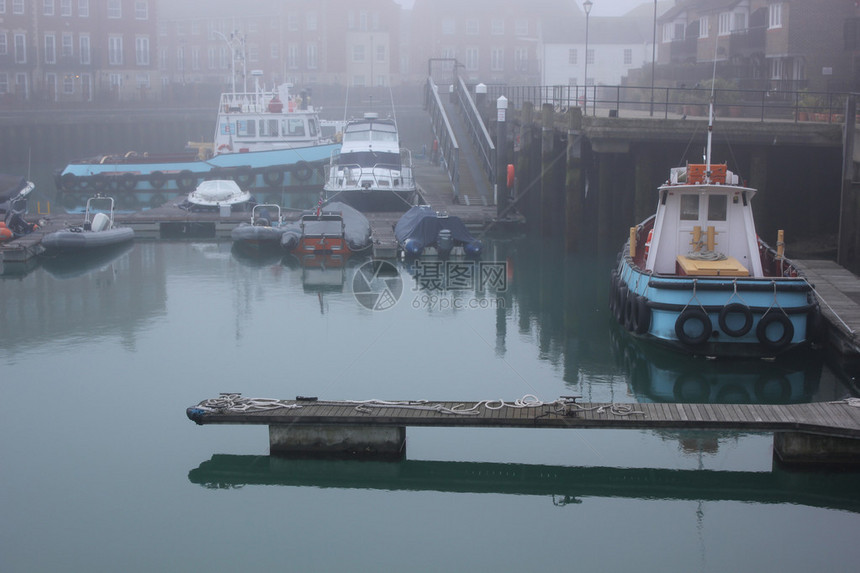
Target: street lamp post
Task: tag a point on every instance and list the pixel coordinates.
(587, 7)
(232, 43)
(653, 57)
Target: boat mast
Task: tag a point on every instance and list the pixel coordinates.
(711, 115)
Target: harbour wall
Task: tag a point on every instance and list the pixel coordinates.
(586, 179)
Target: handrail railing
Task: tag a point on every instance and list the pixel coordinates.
(448, 150)
(478, 131)
(636, 101)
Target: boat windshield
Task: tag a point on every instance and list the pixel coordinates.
(327, 227)
(370, 158)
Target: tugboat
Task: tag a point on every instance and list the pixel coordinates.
(264, 140)
(370, 171)
(696, 277)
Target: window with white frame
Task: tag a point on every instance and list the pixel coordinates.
(274, 51)
(589, 56)
(358, 53)
(84, 8)
(4, 83)
(293, 56)
(84, 49)
(210, 58)
(180, 58)
(253, 52)
(572, 56)
(223, 57)
(50, 49)
(65, 8)
(17, 6)
(20, 48)
(628, 56)
(4, 47)
(311, 21)
(293, 22)
(777, 69)
(704, 27)
(312, 56)
(115, 50)
(141, 50)
(774, 16)
(2, 6)
(521, 59)
(47, 7)
(68, 84)
(521, 27)
(141, 10)
(472, 58)
(142, 81)
(497, 26)
(739, 21)
(472, 27)
(449, 26)
(497, 59)
(68, 47)
(725, 26)
(114, 9)
(380, 53)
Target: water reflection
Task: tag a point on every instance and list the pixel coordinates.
(82, 297)
(832, 490)
(68, 265)
(660, 375)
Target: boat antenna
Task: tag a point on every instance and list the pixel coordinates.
(345, 104)
(393, 113)
(711, 115)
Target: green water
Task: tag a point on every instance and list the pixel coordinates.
(102, 471)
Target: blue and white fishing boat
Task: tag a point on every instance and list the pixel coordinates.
(695, 276)
(266, 141)
(371, 172)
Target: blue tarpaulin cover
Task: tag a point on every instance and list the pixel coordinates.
(422, 223)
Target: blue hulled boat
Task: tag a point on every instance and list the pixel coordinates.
(696, 277)
(266, 141)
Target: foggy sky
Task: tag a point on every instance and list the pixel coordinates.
(600, 8)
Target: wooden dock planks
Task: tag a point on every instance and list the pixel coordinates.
(827, 418)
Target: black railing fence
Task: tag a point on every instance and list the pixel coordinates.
(665, 102)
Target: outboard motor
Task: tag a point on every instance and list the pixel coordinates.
(290, 240)
(444, 242)
(413, 247)
(473, 248)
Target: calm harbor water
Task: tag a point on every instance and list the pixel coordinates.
(102, 471)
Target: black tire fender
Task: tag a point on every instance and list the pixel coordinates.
(694, 313)
(772, 318)
(736, 308)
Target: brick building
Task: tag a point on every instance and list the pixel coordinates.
(77, 50)
(760, 44)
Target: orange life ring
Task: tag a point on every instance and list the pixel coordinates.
(225, 146)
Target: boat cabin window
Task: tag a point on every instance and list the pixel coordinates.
(246, 127)
(292, 126)
(717, 205)
(313, 129)
(689, 207)
(359, 132)
(269, 127)
(388, 135)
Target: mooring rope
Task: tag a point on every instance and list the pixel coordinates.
(235, 403)
(231, 402)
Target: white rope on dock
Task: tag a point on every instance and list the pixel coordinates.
(231, 402)
(853, 402)
(235, 403)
